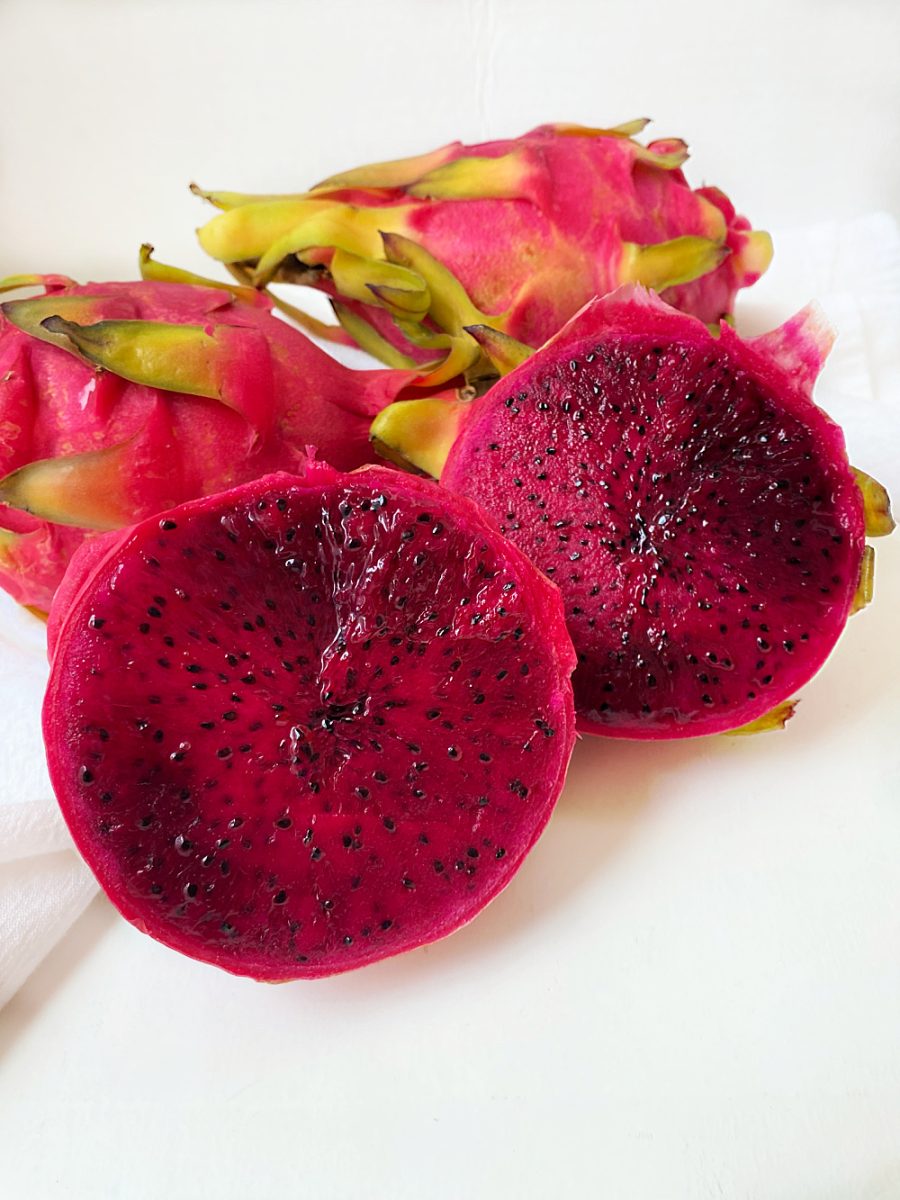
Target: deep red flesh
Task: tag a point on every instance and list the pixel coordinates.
(304, 727)
(703, 526)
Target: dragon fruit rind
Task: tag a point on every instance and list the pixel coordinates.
(694, 505)
(118, 400)
(310, 722)
(525, 231)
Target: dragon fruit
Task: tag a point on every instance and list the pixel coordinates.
(693, 504)
(525, 231)
(308, 723)
(200, 388)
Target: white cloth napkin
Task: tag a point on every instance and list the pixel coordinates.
(851, 268)
(44, 885)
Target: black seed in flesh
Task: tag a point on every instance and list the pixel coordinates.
(311, 746)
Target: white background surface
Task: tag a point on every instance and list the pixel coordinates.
(692, 989)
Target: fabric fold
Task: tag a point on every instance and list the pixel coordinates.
(40, 898)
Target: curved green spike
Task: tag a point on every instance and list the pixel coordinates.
(12, 283)
(667, 264)
(667, 153)
(462, 354)
(451, 307)
(418, 433)
(176, 358)
(775, 718)
(629, 128)
(626, 130)
(30, 315)
(876, 505)
(406, 304)
(245, 233)
(865, 589)
(475, 178)
(320, 329)
(229, 200)
(79, 489)
(396, 173)
(420, 335)
(463, 358)
(369, 339)
(228, 363)
(359, 278)
(163, 273)
(336, 226)
(503, 351)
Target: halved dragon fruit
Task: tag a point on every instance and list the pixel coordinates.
(518, 233)
(695, 507)
(118, 400)
(310, 722)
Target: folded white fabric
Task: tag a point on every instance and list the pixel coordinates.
(43, 883)
(852, 269)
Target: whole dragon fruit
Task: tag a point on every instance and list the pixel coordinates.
(695, 507)
(310, 722)
(118, 400)
(525, 231)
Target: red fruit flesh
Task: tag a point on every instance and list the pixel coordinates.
(308, 723)
(694, 506)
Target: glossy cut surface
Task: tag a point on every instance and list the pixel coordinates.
(309, 723)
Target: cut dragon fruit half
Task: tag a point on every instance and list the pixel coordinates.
(308, 723)
(694, 505)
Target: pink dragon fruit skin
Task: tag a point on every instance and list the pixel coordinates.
(553, 254)
(695, 507)
(343, 719)
(531, 227)
(118, 400)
